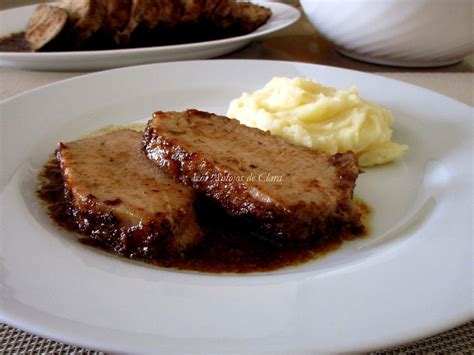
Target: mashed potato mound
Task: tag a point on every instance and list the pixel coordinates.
(320, 117)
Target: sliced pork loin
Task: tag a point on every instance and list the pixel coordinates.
(248, 17)
(151, 16)
(118, 16)
(85, 17)
(119, 197)
(242, 17)
(45, 25)
(137, 12)
(219, 13)
(92, 23)
(283, 191)
(191, 10)
(170, 14)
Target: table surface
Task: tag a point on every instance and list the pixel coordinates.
(300, 42)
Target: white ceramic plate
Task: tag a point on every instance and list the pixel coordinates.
(15, 20)
(412, 277)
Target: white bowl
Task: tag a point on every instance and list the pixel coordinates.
(416, 33)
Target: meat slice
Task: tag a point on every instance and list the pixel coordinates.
(137, 12)
(45, 25)
(166, 12)
(118, 15)
(191, 10)
(219, 13)
(283, 191)
(243, 17)
(119, 197)
(248, 17)
(152, 14)
(85, 16)
(170, 14)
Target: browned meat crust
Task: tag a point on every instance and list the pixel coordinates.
(118, 16)
(249, 17)
(120, 198)
(171, 13)
(137, 11)
(151, 16)
(282, 191)
(107, 24)
(192, 9)
(243, 17)
(85, 17)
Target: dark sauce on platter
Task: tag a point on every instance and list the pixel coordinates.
(226, 248)
(183, 34)
(16, 42)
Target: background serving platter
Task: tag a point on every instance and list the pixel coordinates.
(410, 278)
(15, 20)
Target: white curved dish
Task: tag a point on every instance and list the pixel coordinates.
(412, 277)
(396, 33)
(15, 20)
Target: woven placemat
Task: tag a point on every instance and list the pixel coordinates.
(459, 340)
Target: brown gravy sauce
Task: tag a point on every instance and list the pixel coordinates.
(226, 248)
(183, 34)
(16, 42)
